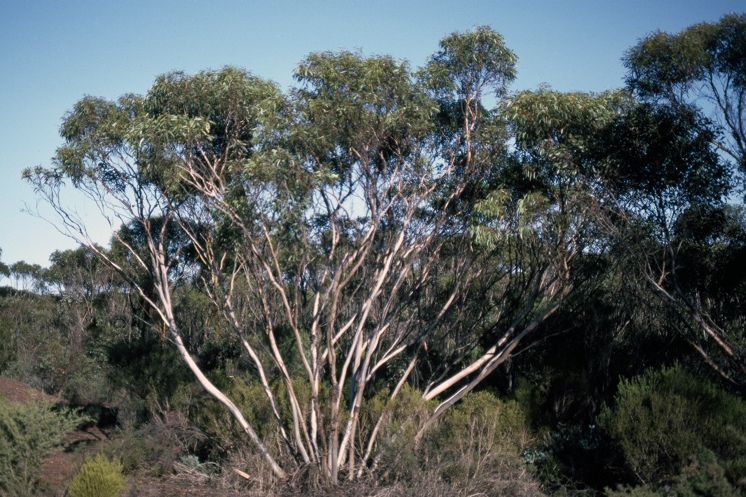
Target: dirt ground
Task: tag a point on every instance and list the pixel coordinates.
(15, 391)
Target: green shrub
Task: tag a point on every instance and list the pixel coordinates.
(402, 418)
(28, 433)
(662, 418)
(479, 435)
(98, 477)
(481, 415)
(225, 435)
(479, 438)
(703, 476)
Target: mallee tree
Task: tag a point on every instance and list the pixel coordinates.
(371, 228)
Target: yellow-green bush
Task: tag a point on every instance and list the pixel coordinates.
(98, 477)
(481, 435)
(482, 415)
(478, 435)
(402, 419)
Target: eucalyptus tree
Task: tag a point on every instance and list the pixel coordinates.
(83, 283)
(365, 197)
(122, 155)
(4, 269)
(25, 276)
(697, 72)
(660, 165)
(337, 218)
(704, 67)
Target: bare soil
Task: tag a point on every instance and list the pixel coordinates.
(15, 391)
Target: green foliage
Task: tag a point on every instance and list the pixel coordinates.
(471, 63)
(703, 63)
(665, 63)
(479, 434)
(137, 367)
(473, 449)
(4, 269)
(157, 444)
(224, 435)
(383, 114)
(28, 433)
(98, 477)
(142, 449)
(402, 418)
(503, 422)
(712, 240)
(662, 418)
(217, 112)
(702, 476)
(8, 346)
(54, 339)
(557, 124)
(29, 322)
(663, 153)
(545, 192)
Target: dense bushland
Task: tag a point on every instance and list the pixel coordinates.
(375, 282)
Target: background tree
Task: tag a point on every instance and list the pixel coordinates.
(661, 167)
(531, 223)
(25, 276)
(4, 269)
(700, 71)
(702, 67)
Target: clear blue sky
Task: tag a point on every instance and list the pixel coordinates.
(54, 52)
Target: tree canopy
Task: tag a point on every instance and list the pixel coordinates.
(703, 66)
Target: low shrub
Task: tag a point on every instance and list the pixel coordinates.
(479, 435)
(475, 447)
(154, 447)
(703, 475)
(98, 477)
(572, 459)
(663, 418)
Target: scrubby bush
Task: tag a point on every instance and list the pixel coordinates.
(476, 444)
(155, 446)
(400, 420)
(474, 447)
(663, 418)
(478, 435)
(98, 477)
(28, 433)
(572, 459)
(702, 476)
